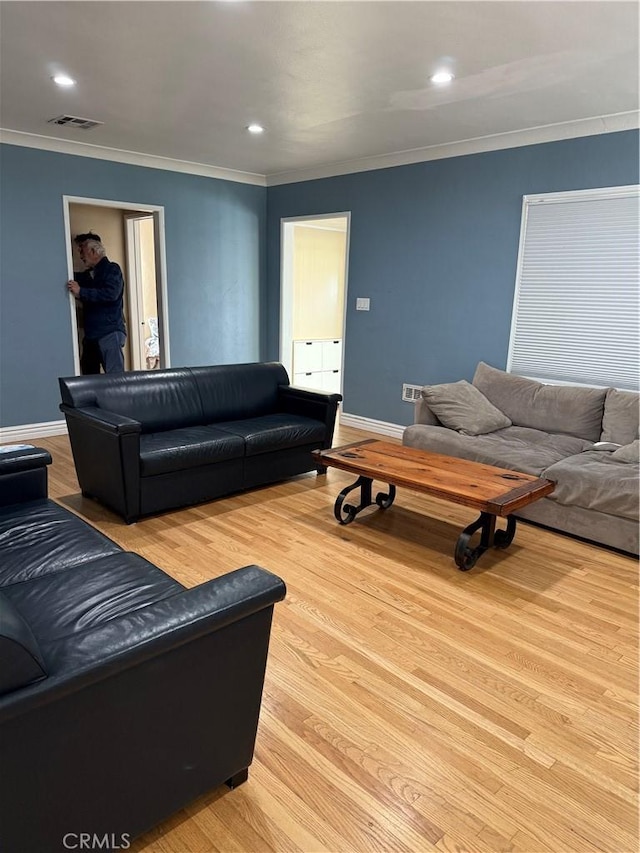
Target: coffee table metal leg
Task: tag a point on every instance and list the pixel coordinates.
(345, 513)
(383, 500)
(504, 538)
(467, 557)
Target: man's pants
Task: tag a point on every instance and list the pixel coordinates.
(105, 352)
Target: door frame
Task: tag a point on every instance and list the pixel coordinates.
(157, 212)
(286, 284)
(134, 268)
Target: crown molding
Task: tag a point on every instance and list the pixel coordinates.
(132, 158)
(495, 142)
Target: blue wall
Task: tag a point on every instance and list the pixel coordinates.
(216, 262)
(435, 245)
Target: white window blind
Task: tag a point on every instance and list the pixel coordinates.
(576, 307)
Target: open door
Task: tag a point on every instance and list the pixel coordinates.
(313, 303)
(133, 235)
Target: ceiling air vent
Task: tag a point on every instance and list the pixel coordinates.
(75, 121)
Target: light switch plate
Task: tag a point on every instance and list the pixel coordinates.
(362, 303)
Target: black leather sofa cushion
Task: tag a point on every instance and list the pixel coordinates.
(90, 594)
(190, 447)
(275, 432)
(20, 655)
(39, 537)
(234, 391)
(159, 399)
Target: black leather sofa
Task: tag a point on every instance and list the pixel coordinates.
(123, 695)
(148, 441)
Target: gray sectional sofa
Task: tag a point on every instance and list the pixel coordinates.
(583, 439)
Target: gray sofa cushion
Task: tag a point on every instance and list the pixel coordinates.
(517, 448)
(594, 480)
(628, 452)
(460, 406)
(554, 408)
(620, 422)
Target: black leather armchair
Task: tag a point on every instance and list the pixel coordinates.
(123, 695)
(144, 442)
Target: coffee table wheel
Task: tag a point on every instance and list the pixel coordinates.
(504, 538)
(383, 500)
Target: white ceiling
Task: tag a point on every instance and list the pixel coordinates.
(332, 82)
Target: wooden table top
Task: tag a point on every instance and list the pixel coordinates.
(495, 490)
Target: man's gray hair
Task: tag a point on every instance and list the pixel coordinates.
(96, 246)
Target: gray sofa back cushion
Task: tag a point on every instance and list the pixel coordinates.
(552, 408)
(621, 419)
(158, 399)
(235, 391)
(461, 406)
(22, 662)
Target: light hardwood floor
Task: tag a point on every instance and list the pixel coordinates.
(409, 706)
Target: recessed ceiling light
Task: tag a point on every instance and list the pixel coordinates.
(63, 80)
(442, 77)
(255, 128)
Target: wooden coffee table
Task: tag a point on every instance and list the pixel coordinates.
(496, 492)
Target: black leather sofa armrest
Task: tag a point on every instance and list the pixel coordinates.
(103, 419)
(106, 453)
(23, 475)
(304, 395)
(310, 404)
(136, 638)
(27, 459)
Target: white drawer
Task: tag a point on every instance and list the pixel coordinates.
(331, 355)
(311, 380)
(331, 381)
(307, 356)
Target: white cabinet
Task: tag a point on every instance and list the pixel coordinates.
(317, 364)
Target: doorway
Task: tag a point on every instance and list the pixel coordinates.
(133, 236)
(313, 292)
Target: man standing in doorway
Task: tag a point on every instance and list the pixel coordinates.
(100, 290)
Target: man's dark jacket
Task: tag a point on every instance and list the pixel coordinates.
(101, 291)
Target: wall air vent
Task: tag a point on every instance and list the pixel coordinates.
(411, 393)
(75, 121)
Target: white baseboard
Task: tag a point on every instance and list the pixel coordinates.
(26, 432)
(369, 425)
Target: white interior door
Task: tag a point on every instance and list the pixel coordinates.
(142, 292)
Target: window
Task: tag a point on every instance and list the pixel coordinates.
(575, 313)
